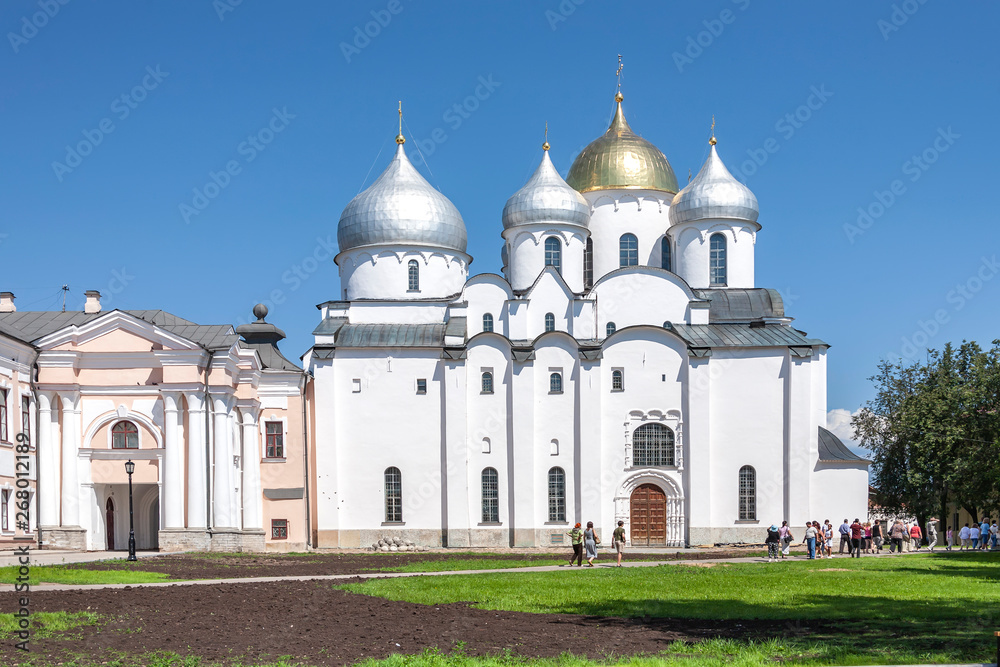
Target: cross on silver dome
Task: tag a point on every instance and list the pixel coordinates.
(713, 194)
(401, 208)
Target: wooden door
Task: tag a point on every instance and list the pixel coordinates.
(648, 516)
(109, 523)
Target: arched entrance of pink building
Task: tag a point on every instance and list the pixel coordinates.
(109, 523)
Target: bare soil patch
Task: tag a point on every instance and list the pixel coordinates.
(317, 624)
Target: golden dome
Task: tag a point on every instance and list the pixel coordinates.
(621, 160)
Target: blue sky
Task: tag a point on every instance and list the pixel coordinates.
(823, 110)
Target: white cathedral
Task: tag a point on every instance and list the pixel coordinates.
(625, 367)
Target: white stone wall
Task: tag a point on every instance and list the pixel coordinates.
(693, 251)
(372, 272)
(527, 254)
(616, 212)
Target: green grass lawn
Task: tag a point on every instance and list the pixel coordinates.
(61, 574)
(923, 608)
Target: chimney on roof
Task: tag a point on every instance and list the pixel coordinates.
(7, 302)
(93, 304)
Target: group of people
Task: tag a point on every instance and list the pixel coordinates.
(979, 537)
(586, 541)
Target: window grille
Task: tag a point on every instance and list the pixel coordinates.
(487, 383)
(3, 415)
(617, 381)
(555, 383)
(717, 261)
(393, 495)
(553, 254)
(550, 322)
(279, 529)
(491, 496)
(652, 445)
(413, 274)
(557, 495)
(487, 322)
(748, 494)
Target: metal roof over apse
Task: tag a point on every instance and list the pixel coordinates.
(742, 304)
(713, 194)
(833, 450)
(621, 159)
(401, 208)
(546, 197)
(390, 335)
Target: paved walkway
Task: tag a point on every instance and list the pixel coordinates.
(386, 575)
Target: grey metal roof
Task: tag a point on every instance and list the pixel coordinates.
(456, 326)
(833, 450)
(743, 335)
(401, 208)
(742, 305)
(390, 335)
(713, 194)
(270, 356)
(32, 325)
(329, 326)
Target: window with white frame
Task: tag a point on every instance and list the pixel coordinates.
(588, 264)
(652, 445)
(4, 509)
(3, 416)
(628, 250)
(413, 276)
(717, 261)
(550, 322)
(275, 440)
(553, 254)
(26, 417)
(491, 496)
(124, 435)
(487, 322)
(487, 385)
(555, 383)
(618, 380)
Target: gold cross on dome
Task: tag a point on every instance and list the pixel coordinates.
(619, 72)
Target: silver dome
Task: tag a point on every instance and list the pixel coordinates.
(546, 198)
(401, 208)
(713, 193)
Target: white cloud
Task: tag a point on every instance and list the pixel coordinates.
(838, 421)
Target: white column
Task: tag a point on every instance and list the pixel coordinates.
(197, 461)
(173, 464)
(70, 448)
(222, 487)
(252, 493)
(48, 464)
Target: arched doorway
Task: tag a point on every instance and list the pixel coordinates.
(648, 516)
(109, 523)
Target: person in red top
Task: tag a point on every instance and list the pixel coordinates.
(915, 536)
(857, 537)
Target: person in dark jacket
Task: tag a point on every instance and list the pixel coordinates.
(772, 541)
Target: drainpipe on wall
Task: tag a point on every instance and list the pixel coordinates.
(210, 446)
(305, 457)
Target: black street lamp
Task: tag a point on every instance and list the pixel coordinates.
(130, 468)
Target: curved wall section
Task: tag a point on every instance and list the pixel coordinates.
(371, 273)
(617, 212)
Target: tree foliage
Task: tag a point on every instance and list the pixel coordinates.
(934, 431)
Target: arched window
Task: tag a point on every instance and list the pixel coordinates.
(487, 322)
(557, 494)
(665, 254)
(491, 496)
(748, 494)
(617, 381)
(124, 435)
(414, 275)
(717, 261)
(487, 382)
(652, 445)
(588, 264)
(393, 495)
(611, 328)
(553, 254)
(555, 383)
(628, 250)
(550, 322)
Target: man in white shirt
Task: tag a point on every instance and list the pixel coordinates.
(974, 536)
(931, 533)
(964, 535)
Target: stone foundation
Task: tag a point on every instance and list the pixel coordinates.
(235, 540)
(184, 539)
(63, 537)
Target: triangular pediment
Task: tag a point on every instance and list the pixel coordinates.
(116, 331)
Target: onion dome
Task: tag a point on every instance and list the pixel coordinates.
(714, 194)
(401, 208)
(621, 160)
(546, 197)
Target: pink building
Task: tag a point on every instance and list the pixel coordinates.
(212, 417)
